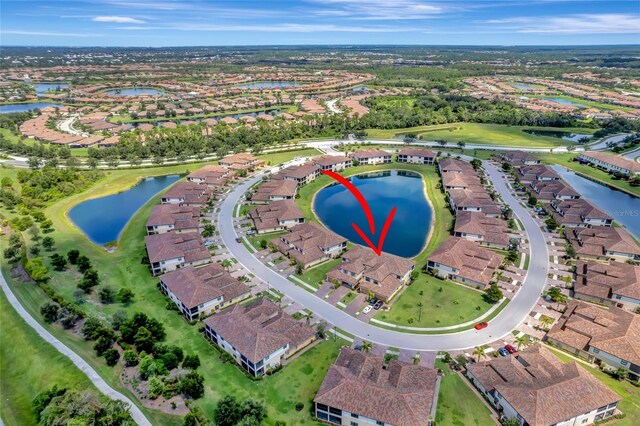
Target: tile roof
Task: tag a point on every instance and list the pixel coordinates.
(307, 242)
(190, 192)
(602, 280)
(270, 215)
(492, 229)
(417, 152)
(615, 160)
(181, 217)
(275, 188)
(162, 247)
(370, 153)
(598, 240)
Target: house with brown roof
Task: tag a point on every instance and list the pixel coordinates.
(383, 276)
(610, 336)
(546, 191)
(486, 230)
(464, 261)
(260, 336)
(603, 243)
(610, 162)
(579, 213)
(335, 163)
(535, 388)
(171, 251)
(520, 158)
(416, 156)
(613, 283)
(201, 291)
(371, 156)
(187, 194)
(302, 174)
(310, 244)
(455, 166)
(528, 174)
(211, 175)
(360, 390)
(173, 217)
(465, 180)
(472, 200)
(240, 161)
(276, 216)
(273, 190)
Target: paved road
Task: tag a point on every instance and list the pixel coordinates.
(514, 313)
(632, 155)
(602, 144)
(332, 106)
(95, 378)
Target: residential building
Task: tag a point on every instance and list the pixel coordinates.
(486, 230)
(610, 336)
(203, 290)
(451, 165)
(360, 390)
(612, 283)
(519, 158)
(260, 336)
(273, 190)
(171, 251)
(276, 216)
(211, 175)
(547, 191)
(416, 156)
(470, 200)
(302, 174)
(457, 180)
(465, 261)
(528, 174)
(610, 162)
(537, 389)
(382, 275)
(310, 244)
(371, 156)
(240, 161)
(173, 217)
(334, 163)
(579, 213)
(603, 243)
(187, 194)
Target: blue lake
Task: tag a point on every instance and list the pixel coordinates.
(6, 109)
(135, 92)
(337, 208)
(622, 207)
(103, 219)
(267, 84)
(565, 102)
(522, 86)
(42, 88)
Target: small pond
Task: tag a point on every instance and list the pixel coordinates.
(565, 102)
(8, 108)
(42, 88)
(135, 92)
(624, 208)
(567, 136)
(337, 208)
(523, 86)
(103, 219)
(267, 84)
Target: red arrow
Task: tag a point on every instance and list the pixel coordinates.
(367, 211)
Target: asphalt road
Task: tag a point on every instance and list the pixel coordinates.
(510, 317)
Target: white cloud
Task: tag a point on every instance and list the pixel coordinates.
(118, 19)
(378, 10)
(292, 28)
(608, 23)
(48, 33)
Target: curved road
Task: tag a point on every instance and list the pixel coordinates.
(95, 378)
(510, 317)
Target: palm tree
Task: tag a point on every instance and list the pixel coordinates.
(479, 351)
(366, 346)
(522, 341)
(226, 264)
(308, 316)
(546, 321)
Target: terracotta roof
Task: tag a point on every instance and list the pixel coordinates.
(330, 160)
(468, 258)
(596, 241)
(602, 280)
(401, 394)
(190, 192)
(297, 172)
(181, 217)
(269, 216)
(615, 160)
(275, 188)
(162, 247)
(492, 229)
(541, 388)
(453, 165)
(417, 152)
(370, 153)
(307, 242)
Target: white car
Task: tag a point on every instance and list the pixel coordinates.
(367, 309)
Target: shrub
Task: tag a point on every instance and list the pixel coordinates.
(191, 362)
(50, 312)
(111, 356)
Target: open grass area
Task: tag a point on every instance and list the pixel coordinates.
(482, 134)
(30, 366)
(566, 160)
(442, 216)
(439, 307)
(316, 275)
(281, 157)
(458, 405)
(348, 298)
(630, 404)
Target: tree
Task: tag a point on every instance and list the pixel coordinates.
(43, 399)
(552, 224)
(143, 340)
(522, 341)
(37, 270)
(118, 318)
(34, 232)
(102, 345)
(156, 387)
(34, 163)
(107, 295)
(461, 144)
(34, 251)
(48, 243)
(620, 373)
(532, 201)
(493, 294)
(73, 255)
(130, 357)
(125, 296)
(208, 230)
(58, 262)
(479, 352)
(556, 295)
(476, 163)
(90, 279)
(170, 361)
(192, 385)
(511, 421)
(50, 312)
(226, 264)
(84, 264)
(321, 329)
(228, 411)
(255, 410)
(546, 321)
(111, 356)
(366, 346)
(191, 362)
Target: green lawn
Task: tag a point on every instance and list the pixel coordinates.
(439, 308)
(458, 405)
(630, 404)
(281, 157)
(349, 297)
(485, 134)
(256, 239)
(314, 276)
(29, 366)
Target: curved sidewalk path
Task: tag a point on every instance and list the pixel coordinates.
(95, 378)
(506, 321)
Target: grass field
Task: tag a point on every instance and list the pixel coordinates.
(315, 275)
(630, 405)
(457, 404)
(439, 308)
(29, 366)
(482, 134)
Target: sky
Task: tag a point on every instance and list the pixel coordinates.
(312, 22)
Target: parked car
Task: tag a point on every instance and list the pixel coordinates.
(503, 352)
(378, 305)
(250, 232)
(367, 309)
(481, 325)
(510, 349)
(238, 240)
(373, 301)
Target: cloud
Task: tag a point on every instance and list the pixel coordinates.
(48, 33)
(377, 10)
(118, 19)
(292, 28)
(608, 23)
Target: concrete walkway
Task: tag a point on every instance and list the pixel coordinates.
(95, 378)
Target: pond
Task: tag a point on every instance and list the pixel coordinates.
(565, 102)
(523, 86)
(8, 108)
(42, 88)
(624, 208)
(135, 92)
(103, 219)
(337, 208)
(567, 136)
(267, 84)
